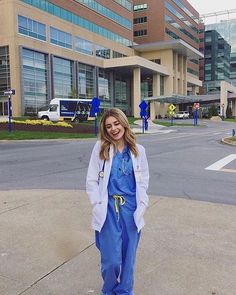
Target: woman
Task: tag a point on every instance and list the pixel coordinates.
(117, 182)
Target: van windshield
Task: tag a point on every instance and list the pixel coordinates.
(53, 107)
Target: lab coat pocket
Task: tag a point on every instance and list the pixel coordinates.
(139, 213)
(96, 212)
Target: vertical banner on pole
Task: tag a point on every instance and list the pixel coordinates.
(143, 113)
(94, 112)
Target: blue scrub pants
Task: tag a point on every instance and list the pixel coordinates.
(117, 243)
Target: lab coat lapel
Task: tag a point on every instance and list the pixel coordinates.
(134, 161)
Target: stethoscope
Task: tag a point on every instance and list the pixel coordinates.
(101, 173)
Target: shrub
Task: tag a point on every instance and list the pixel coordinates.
(228, 112)
(212, 111)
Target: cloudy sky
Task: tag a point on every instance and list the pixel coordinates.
(209, 6)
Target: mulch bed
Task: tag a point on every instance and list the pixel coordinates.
(77, 128)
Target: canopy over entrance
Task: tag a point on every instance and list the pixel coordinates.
(178, 99)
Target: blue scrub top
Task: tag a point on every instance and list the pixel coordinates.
(122, 180)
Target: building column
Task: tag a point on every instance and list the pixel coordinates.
(136, 92)
(154, 105)
(181, 73)
(184, 76)
(176, 72)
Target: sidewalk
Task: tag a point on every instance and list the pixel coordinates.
(152, 128)
(47, 247)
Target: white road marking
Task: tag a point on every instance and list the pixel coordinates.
(217, 166)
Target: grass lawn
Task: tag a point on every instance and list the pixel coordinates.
(230, 120)
(32, 134)
(23, 135)
(168, 123)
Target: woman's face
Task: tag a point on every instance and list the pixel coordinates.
(114, 128)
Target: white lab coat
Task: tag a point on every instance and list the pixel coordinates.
(97, 191)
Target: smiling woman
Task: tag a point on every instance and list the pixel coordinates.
(117, 181)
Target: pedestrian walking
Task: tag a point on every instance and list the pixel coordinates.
(117, 182)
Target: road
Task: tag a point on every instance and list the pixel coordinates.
(177, 160)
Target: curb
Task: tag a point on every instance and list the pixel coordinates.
(224, 141)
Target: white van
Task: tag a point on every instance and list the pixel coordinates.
(62, 108)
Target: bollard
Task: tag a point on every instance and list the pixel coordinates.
(233, 132)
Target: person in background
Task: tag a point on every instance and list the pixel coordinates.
(117, 182)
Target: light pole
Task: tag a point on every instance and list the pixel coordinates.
(9, 92)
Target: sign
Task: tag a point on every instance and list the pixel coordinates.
(95, 106)
(196, 105)
(10, 92)
(171, 108)
(143, 106)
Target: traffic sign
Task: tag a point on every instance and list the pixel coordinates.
(9, 92)
(171, 108)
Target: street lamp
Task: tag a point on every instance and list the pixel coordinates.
(9, 92)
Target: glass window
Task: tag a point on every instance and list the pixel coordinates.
(86, 81)
(5, 82)
(140, 20)
(103, 52)
(79, 21)
(83, 46)
(116, 54)
(162, 85)
(180, 16)
(107, 12)
(125, 3)
(140, 7)
(184, 8)
(171, 34)
(62, 77)
(122, 97)
(35, 76)
(173, 23)
(60, 38)
(104, 89)
(140, 33)
(31, 28)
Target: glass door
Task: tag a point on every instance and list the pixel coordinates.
(3, 108)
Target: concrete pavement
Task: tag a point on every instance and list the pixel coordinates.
(152, 128)
(47, 247)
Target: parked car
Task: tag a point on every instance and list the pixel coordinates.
(181, 115)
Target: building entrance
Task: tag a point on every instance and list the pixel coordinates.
(4, 108)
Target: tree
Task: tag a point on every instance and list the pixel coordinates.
(213, 111)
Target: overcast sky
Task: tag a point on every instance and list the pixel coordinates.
(211, 6)
(207, 6)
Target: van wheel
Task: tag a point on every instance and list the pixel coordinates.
(45, 118)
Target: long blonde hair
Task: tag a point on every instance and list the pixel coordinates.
(106, 140)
